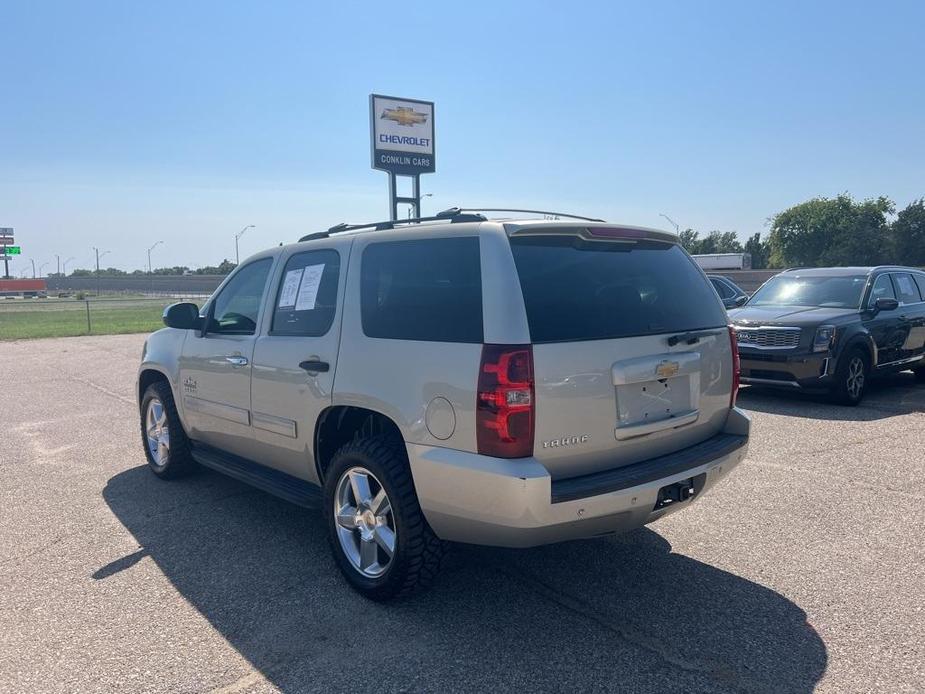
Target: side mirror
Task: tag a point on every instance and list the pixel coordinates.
(740, 300)
(885, 304)
(183, 316)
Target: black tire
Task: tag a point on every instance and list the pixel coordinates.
(845, 391)
(418, 552)
(179, 459)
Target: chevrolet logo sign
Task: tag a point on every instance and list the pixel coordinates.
(667, 369)
(404, 116)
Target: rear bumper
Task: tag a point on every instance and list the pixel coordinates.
(515, 503)
(798, 371)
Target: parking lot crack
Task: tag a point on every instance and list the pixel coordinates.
(852, 444)
(38, 550)
(719, 672)
(850, 480)
(103, 390)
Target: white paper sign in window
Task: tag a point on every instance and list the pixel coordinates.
(905, 285)
(308, 290)
(290, 289)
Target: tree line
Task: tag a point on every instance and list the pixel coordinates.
(824, 232)
(222, 268)
(820, 232)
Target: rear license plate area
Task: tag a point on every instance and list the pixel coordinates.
(652, 401)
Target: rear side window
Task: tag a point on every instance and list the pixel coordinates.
(306, 299)
(920, 280)
(722, 289)
(906, 291)
(594, 290)
(429, 290)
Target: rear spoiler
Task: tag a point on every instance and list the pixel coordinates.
(594, 233)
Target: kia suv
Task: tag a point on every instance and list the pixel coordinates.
(831, 329)
(454, 378)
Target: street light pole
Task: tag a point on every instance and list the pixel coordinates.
(58, 258)
(33, 267)
(66, 262)
(42, 267)
(420, 214)
(237, 259)
(98, 256)
(150, 269)
(677, 228)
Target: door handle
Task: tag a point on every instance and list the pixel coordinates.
(314, 366)
(237, 360)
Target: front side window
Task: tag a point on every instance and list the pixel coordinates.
(821, 291)
(237, 306)
(906, 291)
(429, 290)
(883, 289)
(306, 299)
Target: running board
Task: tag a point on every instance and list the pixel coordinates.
(277, 483)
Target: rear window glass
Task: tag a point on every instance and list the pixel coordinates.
(593, 290)
(428, 290)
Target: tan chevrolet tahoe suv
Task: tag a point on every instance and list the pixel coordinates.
(499, 382)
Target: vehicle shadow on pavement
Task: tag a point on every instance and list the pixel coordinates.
(887, 396)
(610, 614)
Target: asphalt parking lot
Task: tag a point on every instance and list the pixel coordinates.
(804, 570)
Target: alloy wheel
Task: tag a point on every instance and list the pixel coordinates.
(365, 522)
(157, 432)
(855, 381)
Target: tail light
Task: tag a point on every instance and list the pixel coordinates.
(736, 366)
(504, 411)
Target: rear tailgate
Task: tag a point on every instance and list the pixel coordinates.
(632, 356)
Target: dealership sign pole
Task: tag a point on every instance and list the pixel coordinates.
(7, 249)
(402, 134)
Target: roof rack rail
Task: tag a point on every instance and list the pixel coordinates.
(547, 212)
(453, 215)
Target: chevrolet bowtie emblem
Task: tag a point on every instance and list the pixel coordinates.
(404, 116)
(667, 369)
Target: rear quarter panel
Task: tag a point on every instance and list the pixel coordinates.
(399, 378)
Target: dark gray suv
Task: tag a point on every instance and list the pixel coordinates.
(830, 329)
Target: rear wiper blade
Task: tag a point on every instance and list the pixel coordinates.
(691, 338)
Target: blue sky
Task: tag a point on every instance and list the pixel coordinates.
(124, 123)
